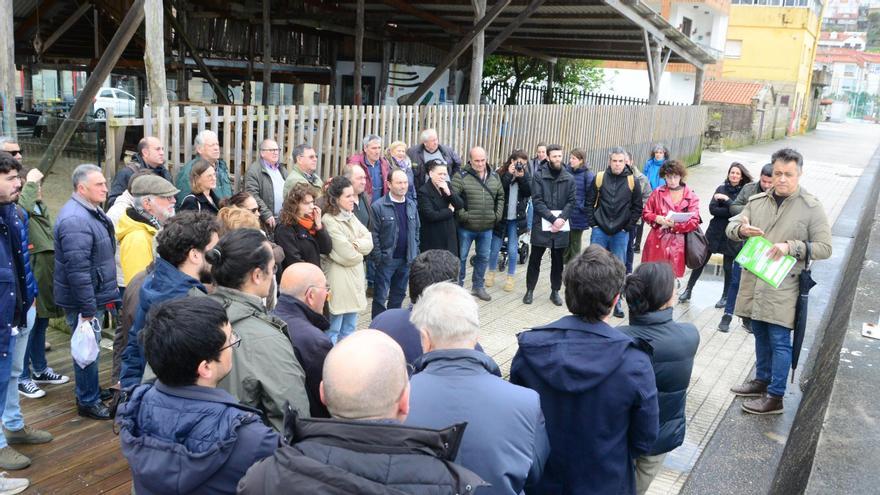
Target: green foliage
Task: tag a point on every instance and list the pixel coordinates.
(873, 31)
(515, 71)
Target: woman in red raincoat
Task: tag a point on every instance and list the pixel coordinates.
(666, 240)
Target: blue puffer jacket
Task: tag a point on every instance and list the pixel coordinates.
(675, 345)
(599, 398)
(385, 229)
(85, 258)
(505, 442)
(30, 280)
(192, 439)
(583, 178)
(652, 171)
(163, 283)
(13, 310)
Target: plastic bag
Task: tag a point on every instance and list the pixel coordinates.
(83, 345)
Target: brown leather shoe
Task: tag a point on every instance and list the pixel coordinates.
(769, 404)
(751, 388)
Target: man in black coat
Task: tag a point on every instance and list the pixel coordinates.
(553, 197)
(364, 449)
(303, 293)
(150, 156)
(430, 149)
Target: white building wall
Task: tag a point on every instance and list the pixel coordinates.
(676, 87)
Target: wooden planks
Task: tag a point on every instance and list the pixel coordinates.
(336, 132)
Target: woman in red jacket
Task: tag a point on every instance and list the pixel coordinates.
(666, 240)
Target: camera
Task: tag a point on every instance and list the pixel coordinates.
(519, 167)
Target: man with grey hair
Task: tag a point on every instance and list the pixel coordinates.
(304, 291)
(208, 148)
(150, 157)
(304, 169)
(506, 442)
(375, 166)
(429, 148)
(85, 273)
(264, 179)
(481, 189)
(613, 206)
(366, 390)
(152, 205)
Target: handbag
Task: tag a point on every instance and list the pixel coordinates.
(696, 248)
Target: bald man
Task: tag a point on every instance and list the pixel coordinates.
(303, 293)
(366, 389)
(484, 208)
(150, 156)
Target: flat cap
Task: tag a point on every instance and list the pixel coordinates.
(152, 185)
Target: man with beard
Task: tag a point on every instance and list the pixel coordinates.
(178, 271)
(152, 207)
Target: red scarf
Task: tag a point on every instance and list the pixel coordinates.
(308, 224)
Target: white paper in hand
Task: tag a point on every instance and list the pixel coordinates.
(545, 225)
(680, 216)
(83, 345)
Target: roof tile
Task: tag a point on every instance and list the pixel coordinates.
(731, 92)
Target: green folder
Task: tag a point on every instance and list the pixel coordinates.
(753, 257)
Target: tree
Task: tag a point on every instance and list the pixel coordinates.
(513, 72)
(873, 30)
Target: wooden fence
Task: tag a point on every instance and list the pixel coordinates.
(336, 131)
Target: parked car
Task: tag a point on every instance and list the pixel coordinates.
(122, 103)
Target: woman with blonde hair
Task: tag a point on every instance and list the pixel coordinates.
(397, 158)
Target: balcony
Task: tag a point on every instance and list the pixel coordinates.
(716, 53)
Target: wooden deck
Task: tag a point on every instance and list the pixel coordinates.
(84, 457)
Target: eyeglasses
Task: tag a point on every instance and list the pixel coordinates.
(326, 287)
(271, 150)
(236, 342)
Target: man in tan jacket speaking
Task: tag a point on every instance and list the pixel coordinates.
(789, 217)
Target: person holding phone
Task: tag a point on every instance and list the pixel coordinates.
(300, 232)
(665, 242)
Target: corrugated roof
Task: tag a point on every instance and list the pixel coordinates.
(731, 92)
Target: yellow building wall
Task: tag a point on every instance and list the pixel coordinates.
(778, 45)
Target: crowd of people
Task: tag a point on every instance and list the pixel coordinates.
(238, 365)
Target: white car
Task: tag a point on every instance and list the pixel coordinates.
(122, 103)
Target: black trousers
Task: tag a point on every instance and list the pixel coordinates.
(534, 269)
(727, 264)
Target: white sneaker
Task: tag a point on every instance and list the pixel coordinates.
(11, 486)
(30, 389)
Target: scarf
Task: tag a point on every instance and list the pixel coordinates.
(308, 224)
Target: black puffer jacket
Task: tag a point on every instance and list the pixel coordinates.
(339, 457)
(524, 192)
(675, 345)
(720, 210)
(618, 208)
(551, 193)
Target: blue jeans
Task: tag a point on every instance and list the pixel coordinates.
(772, 355)
(733, 290)
(88, 389)
(341, 326)
(630, 250)
(5, 375)
(35, 355)
(392, 277)
(616, 244)
(509, 227)
(12, 418)
(371, 273)
(529, 210)
(484, 243)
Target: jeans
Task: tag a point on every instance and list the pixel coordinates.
(772, 355)
(529, 214)
(733, 289)
(371, 273)
(510, 229)
(616, 244)
(534, 268)
(484, 243)
(88, 389)
(5, 375)
(341, 326)
(392, 276)
(35, 355)
(12, 418)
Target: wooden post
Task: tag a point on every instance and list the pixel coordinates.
(206, 72)
(387, 47)
(477, 50)
(267, 51)
(551, 74)
(654, 67)
(154, 55)
(698, 87)
(123, 35)
(359, 53)
(182, 84)
(456, 52)
(248, 87)
(334, 54)
(27, 101)
(7, 70)
(95, 22)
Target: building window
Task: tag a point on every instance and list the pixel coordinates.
(784, 99)
(733, 49)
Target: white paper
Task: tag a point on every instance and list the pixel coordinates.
(545, 225)
(679, 216)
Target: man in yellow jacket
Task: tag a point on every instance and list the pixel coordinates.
(153, 205)
(789, 217)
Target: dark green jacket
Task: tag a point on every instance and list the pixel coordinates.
(483, 206)
(42, 249)
(224, 181)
